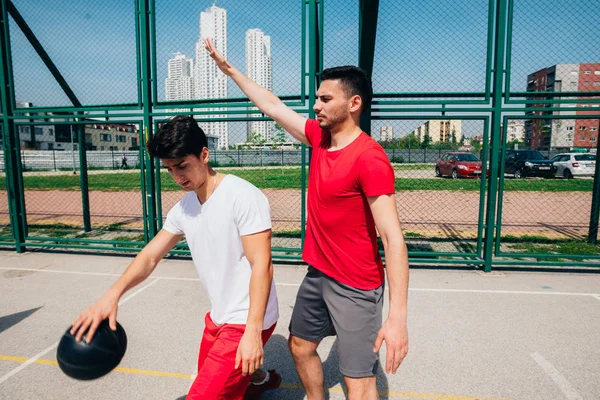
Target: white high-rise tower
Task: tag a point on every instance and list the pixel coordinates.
(259, 68)
(210, 82)
(179, 84)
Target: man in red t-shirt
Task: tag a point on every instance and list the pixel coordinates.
(350, 194)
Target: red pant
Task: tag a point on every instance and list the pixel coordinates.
(217, 378)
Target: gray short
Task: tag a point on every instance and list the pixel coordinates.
(326, 307)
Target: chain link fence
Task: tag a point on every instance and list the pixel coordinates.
(453, 133)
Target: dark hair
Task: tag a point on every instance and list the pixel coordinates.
(177, 138)
(354, 80)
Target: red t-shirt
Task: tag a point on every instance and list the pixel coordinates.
(341, 240)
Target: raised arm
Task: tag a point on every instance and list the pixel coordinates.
(266, 101)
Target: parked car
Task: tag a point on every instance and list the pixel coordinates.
(458, 165)
(570, 165)
(524, 163)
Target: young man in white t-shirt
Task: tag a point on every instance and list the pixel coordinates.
(227, 225)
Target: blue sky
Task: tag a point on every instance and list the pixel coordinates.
(422, 45)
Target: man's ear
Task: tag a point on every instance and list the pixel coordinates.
(355, 103)
(205, 154)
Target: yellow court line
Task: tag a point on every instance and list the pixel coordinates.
(427, 396)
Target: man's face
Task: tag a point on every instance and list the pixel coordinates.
(333, 105)
(189, 172)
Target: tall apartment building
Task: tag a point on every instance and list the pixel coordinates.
(209, 81)
(563, 134)
(440, 130)
(259, 68)
(386, 133)
(179, 84)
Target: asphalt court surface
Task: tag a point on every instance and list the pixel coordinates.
(510, 335)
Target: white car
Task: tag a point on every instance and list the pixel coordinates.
(570, 165)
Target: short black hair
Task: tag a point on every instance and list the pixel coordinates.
(178, 138)
(355, 81)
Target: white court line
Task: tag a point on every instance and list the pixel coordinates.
(563, 384)
(55, 345)
(27, 363)
(57, 271)
(132, 295)
(523, 292)
(502, 292)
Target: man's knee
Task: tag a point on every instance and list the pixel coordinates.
(362, 388)
(301, 348)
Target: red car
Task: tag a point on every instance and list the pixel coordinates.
(458, 165)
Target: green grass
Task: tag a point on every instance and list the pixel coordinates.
(510, 185)
(136, 238)
(123, 182)
(563, 247)
(289, 178)
(414, 167)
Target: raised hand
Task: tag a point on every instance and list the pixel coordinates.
(221, 62)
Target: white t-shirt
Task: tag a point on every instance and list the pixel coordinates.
(213, 232)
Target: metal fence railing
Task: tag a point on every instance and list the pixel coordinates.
(461, 91)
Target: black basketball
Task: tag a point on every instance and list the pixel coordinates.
(84, 361)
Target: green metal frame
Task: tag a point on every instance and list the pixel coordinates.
(476, 257)
(511, 97)
(540, 257)
(494, 106)
(11, 143)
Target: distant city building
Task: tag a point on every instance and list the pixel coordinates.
(514, 131)
(179, 84)
(209, 81)
(115, 137)
(439, 130)
(98, 136)
(259, 68)
(386, 133)
(563, 134)
(37, 137)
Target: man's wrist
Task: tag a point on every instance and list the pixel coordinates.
(397, 315)
(254, 325)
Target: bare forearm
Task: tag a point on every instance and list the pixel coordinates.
(261, 97)
(260, 288)
(396, 261)
(141, 267)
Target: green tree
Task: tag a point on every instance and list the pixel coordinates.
(409, 141)
(510, 145)
(476, 146)
(256, 139)
(426, 141)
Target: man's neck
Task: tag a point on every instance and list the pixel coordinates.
(344, 134)
(206, 190)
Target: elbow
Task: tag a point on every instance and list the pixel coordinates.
(262, 267)
(394, 242)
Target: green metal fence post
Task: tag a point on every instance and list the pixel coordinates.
(496, 120)
(315, 46)
(595, 210)
(145, 13)
(83, 178)
(10, 136)
(367, 27)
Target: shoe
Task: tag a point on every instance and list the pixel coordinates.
(253, 391)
